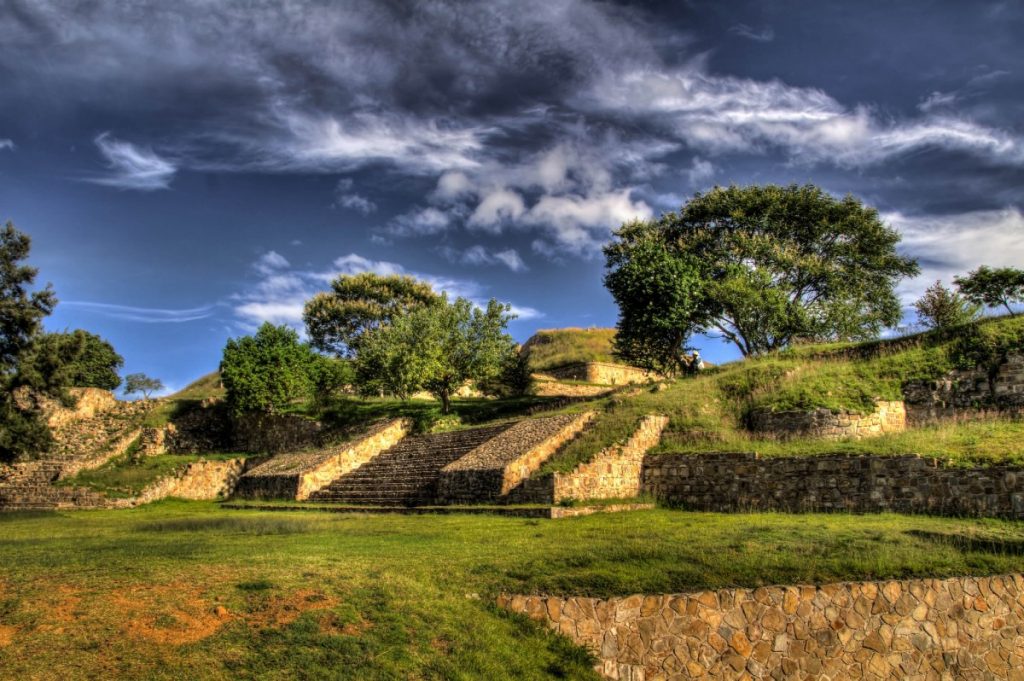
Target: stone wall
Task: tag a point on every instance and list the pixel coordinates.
(860, 484)
(272, 433)
(602, 373)
(966, 394)
(888, 417)
(612, 473)
(72, 467)
(88, 403)
(202, 481)
(503, 462)
(960, 628)
(299, 474)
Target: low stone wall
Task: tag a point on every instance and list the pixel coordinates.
(960, 628)
(967, 394)
(201, 481)
(503, 462)
(613, 472)
(299, 474)
(602, 372)
(888, 417)
(73, 467)
(273, 433)
(859, 484)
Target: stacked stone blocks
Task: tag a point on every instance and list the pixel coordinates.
(887, 417)
(960, 628)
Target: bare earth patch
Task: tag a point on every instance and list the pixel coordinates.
(280, 611)
(7, 635)
(171, 614)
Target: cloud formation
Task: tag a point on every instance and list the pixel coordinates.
(147, 315)
(132, 167)
(6, 143)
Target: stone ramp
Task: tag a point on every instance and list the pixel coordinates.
(29, 486)
(408, 473)
(497, 466)
(297, 475)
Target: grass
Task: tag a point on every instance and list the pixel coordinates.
(190, 397)
(550, 348)
(708, 412)
(126, 476)
(134, 594)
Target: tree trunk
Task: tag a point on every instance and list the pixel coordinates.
(446, 401)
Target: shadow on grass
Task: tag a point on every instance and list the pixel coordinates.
(243, 525)
(968, 544)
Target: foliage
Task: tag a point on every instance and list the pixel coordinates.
(336, 320)
(438, 348)
(514, 379)
(141, 383)
(779, 264)
(330, 376)
(77, 359)
(993, 287)
(551, 348)
(657, 292)
(942, 308)
(21, 316)
(266, 372)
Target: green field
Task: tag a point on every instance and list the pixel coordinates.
(550, 348)
(302, 595)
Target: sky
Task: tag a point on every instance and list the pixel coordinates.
(188, 170)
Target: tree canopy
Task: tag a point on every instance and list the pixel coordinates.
(437, 348)
(336, 320)
(22, 311)
(943, 308)
(75, 359)
(993, 286)
(141, 383)
(267, 371)
(775, 264)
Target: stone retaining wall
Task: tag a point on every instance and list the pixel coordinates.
(299, 474)
(503, 462)
(960, 628)
(602, 372)
(73, 467)
(202, 481)
(966, 394)
(888, 417)
(613, 472)
(859, 484)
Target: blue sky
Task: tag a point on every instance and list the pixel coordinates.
(187, 170)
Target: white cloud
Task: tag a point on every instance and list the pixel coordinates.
(763, 35)
(497, 207)
(346, 198)
(6, 143)
(420, 222)
(132, 167)
(479, 255)
(280, 294)
(938, 100)
(947, 245)
(581, 224)
(270, 262)
(700, 171)
(148, 315)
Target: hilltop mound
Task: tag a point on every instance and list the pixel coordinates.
(550, 348)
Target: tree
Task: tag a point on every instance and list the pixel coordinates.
(438, 348)
(266, 372)
(776, 264)
(942, 308)
(329, 376)
(141, 383)
(78, 359)
(657, 291)
(993, 287)
(22, 432)
(336, 320)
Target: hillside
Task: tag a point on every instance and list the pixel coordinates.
(550, 348)
(710, 412)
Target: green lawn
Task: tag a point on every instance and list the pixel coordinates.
(135, 594)
(550, 348)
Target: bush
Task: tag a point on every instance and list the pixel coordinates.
(268, 371)
(942, 308)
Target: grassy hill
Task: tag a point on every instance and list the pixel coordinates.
(550, 348)
(708, 412)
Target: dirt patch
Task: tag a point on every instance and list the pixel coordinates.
(171, 614)
(332, 625)
(278, 611)
(7, 635)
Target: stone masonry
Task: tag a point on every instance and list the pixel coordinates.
(959, 628)
(502, 463)
(201, 481)
(967, 393)
(859, 484)
(888, 417)
(299, 474)
(612, 473)
(602, 373)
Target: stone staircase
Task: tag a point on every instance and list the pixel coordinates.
(29, 486)
(408, 473)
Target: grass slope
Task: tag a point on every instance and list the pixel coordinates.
(707, 412)
(126, 476)
(134, 594)
(550, 348)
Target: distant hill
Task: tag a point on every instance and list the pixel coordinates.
(550, 348)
